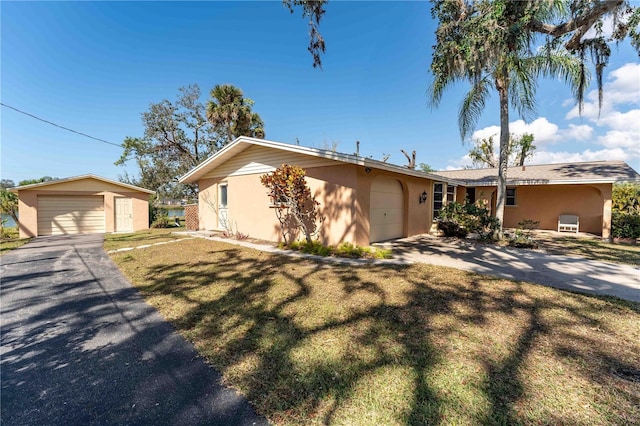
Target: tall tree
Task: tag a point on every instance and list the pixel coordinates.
(231, 115)
(482, 154)
(491, 45)
(523, 148)
(426, 168)
(37, 180)
(177, 137)
(520, 149)
(6, 184)
(9, 204)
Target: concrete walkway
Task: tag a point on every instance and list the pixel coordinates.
(563, 272)
(80, 346)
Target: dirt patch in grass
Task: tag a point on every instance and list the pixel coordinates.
(134, 239)
(591, 247)
(312, 343)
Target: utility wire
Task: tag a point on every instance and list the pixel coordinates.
(62, 127)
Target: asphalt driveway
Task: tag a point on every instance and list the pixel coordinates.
(80, 346)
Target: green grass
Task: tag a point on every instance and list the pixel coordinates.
(314, 343)
(134, 239)
(342, 250)
(589, 247)
(11, 240)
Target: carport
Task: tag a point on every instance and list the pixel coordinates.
(84, 204)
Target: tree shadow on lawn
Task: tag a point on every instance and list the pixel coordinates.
(304, 341)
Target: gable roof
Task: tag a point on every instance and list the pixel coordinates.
(242, 143)
(565, 173)
(75, 178)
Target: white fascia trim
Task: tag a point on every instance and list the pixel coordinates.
(74, 178)
(315, 152)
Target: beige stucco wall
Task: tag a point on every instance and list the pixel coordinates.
(417, 216)
(545, 203)
(28, 203)
(249, 208)
(342, 190)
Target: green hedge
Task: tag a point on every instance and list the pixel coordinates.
(625, 225)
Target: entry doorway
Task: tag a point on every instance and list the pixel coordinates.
(124, 214)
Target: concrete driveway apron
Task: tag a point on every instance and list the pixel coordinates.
(80, 346)
(564, 272)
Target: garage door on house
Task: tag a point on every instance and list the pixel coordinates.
(386, 217)
(59, 215)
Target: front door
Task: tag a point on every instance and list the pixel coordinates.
(124, 215)
(223, 217)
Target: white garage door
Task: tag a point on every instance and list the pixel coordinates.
(386, 214)
(59, 215)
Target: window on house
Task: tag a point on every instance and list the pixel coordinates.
(471, 195)
(223, 194)
(451, 193)
(437, 198)
(511, 196)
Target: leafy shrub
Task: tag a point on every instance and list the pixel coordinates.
(458, 220)
(8, 232)
(314, 247)
(295, 207)
(626, 198)
(452, 228)
(523, 239)
(625, 225)
(528, 225)
(162, 221)
(343, 250)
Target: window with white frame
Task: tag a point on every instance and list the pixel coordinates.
(438, 198)
(451, 193)
(224, 189)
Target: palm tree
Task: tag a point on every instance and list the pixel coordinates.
(230, 112)
(486, 43)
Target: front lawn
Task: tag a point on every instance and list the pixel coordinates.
(10, 239)
(313, 343)
(135, 239)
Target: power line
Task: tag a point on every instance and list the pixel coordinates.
(62, 127)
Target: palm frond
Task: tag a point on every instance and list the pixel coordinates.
(473, 105)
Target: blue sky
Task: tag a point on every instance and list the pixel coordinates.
(95, 67)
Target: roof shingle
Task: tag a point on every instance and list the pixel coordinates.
(594, 172)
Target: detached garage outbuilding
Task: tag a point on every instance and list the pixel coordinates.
(81, 205)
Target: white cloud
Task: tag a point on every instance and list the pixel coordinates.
(547, 157)
(613, 133)
(622, 87)
(582, 132)
(616, 139)
(487, 132)
(544, 131)
(625, 121)
(462, 163)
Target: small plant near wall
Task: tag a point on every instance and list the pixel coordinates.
(295, 207)
(523, 237)
(342, 250)
(161, 220)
